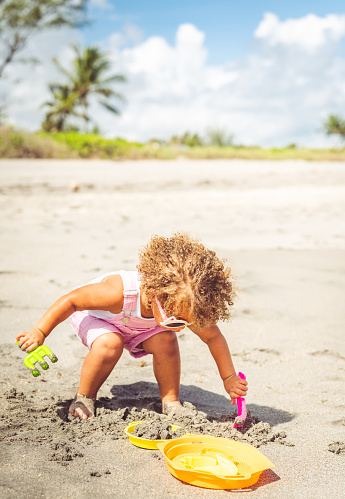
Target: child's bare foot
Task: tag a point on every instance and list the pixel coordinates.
(176, 409)
(168, 407)
(82, 407)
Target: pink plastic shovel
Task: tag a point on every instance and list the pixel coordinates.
(241, 409)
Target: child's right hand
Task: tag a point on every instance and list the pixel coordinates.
(29, 340)
(236, 387)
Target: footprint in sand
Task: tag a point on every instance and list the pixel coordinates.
(337, 447)
(327, 353)
(339, 422)
(259, 355)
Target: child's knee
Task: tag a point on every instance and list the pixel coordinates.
(162, 343)
(108, 345)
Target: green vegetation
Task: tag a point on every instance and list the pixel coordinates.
(335, 125)
(219, 137)
(18, 144)
(214, 137)
(88, 145)
(187, 139)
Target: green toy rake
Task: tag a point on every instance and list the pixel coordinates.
(37, 357)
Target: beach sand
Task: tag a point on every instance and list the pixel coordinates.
(281, 226)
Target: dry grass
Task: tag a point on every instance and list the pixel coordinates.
(21, 144)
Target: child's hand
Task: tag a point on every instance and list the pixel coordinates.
(29, 340)
(236, 387)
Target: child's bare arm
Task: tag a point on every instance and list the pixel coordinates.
(217, 344)
(57, 313)
(106, 295)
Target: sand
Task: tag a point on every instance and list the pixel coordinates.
(281, 226)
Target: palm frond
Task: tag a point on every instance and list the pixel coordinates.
(115, 78)
(63, 70)
(109, 107)
(109, 92)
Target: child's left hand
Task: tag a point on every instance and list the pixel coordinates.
(236, 387)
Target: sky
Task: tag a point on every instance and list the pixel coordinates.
(267, 72)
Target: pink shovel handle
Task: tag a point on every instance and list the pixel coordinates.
(241, 406)
(241, 402)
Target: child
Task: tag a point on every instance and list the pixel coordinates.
(179, 283)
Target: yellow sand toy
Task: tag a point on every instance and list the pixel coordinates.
(214, 462)
(144, 442)
(37, 356)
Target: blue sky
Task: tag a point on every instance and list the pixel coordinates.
(268, 72)
(227, 24)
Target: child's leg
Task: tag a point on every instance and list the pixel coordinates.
(105, 352)
(166, 366)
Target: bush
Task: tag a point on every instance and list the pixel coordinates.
(91, 145)
(20, 144)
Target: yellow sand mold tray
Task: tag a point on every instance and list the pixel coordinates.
(214, 462)
(143, 442)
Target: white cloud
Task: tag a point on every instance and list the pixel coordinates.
(169, 86)
(278, 94)
(130, 35)
(310, 32)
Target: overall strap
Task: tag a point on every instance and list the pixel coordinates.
(130, 293)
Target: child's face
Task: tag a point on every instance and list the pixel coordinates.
(159, 318)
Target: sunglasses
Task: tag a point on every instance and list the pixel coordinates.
(170, 322)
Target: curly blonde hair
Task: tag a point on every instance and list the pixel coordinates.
(183, 274)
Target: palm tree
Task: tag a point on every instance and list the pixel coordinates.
(61, 107)
(335, 125)
(89, 76)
